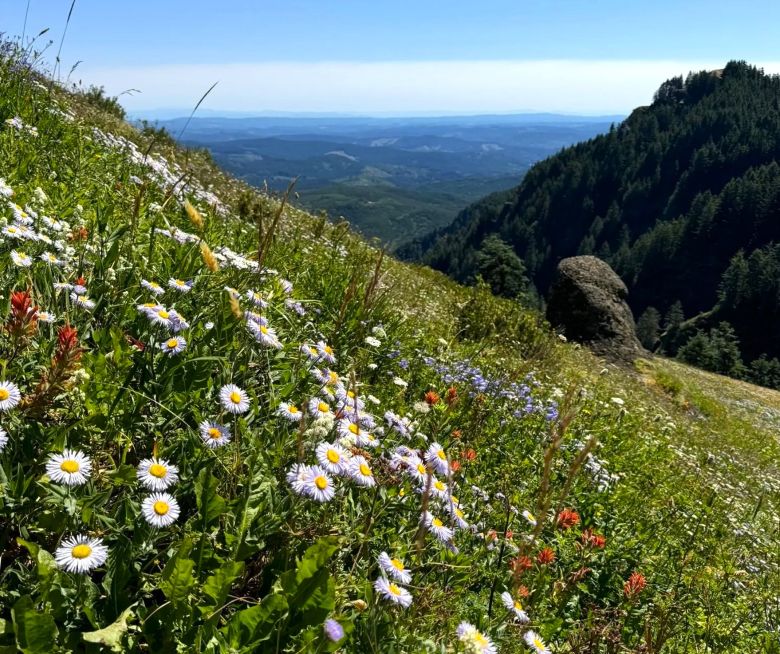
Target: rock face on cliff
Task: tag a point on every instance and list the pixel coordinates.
(588, 302)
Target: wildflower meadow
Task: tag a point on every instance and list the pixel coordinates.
(227, 425)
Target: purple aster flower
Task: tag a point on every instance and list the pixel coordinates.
(333, 630)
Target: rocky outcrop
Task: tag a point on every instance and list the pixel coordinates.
(588, 302)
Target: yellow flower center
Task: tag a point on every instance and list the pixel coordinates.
(365, 470)
(323, 408)
(518, 606)
(214, 433)
(313, 350)
(81, 551)
(439, 485)
(4, 394)
(454, 499)
(264, 329)
(354, 428)
(394, 589)
(154, 285)
(161, 508)
(421, 468)
(235, 397)
(172, 343)
(530, 517)
(332, 377)
(398, 565)
(157, 470)
(333, 456)
(539, 644)
(149, 305)
(70, 466)
(441, 455)
(437, 523)
(163, 314)
(293, 409)
(179, 282)
(350, 395)
(329, 349)
(320, 482)
(459, 513)
(480, 640)
(12, 230)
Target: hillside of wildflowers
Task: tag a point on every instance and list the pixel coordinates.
(230, 426)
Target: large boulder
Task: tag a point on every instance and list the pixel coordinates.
(588, 302)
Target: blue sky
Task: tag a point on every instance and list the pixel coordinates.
(375, 56)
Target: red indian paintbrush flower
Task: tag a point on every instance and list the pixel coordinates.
(451, 396)
(591, 539)
(24, 317)
(634, 585)
(545, 556)
(567, 518)
(431, 398)
(520, 564)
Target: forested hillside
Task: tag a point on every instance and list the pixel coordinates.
(682, 199)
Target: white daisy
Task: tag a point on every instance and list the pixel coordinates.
(13, 231)
(234, 399)
(455, 511)
(180, 285)
(297, 476)
(535, 642)
(514, 606)
(160, 509)
(360, 472)
(81, 554)
(290, 412)
(394, 568)
(373, 342)
(157, 313)
(333, 457)
(436, 457)
(310, 352)
(82, 301)
(71, 468)
(9, 395)
(21, 259)
(45, 316)
(154, 287)
(393, 592)
(173, 345)
(157, 474)
(318, 485)
(320, 409)
(418, 471)
(326, 352)
(51, 259)
(474, 640)
(437, 527)
(439, 489)
(256, 299)
(214, 435)
(264, 335)
(530, 517)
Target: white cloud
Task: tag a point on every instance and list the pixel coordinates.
(576, 86)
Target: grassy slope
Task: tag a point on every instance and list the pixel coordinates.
(692, 457)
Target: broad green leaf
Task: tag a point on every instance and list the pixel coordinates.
(112, 635)
(255, 624)
(310, 590)
(210, 504)
(35, 631)
(177, 580)
(218, 585)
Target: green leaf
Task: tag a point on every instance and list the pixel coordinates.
(177, 580)
(310, 589)
(256, 624)
(112, 635)
(218, 585)
(35, 632)
(210, 504)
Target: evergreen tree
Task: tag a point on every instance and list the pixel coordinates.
(648, 328)
(501, 268)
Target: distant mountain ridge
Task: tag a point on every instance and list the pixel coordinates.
(392, 178)
(682, 199)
